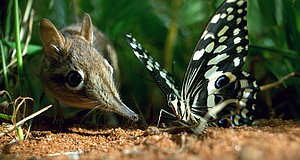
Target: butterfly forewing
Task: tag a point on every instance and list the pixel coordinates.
(222, 48)
(163, 78)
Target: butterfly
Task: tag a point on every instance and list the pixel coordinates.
(213, 82)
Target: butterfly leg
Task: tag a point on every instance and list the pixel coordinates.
(174, 125)
(165, 114)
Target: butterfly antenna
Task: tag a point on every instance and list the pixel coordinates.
(173, 70)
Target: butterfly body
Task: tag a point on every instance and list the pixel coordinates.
(214, 72)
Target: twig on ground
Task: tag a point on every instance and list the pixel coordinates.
(274, 84)
(10, 129)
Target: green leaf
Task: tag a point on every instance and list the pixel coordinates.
(32, 48)
(6, 117)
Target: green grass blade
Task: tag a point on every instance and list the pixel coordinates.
(7, 26)
(4, 68)
(20, 133)
(284, 52)
(6, 117)
(7, 20)
(18, 49)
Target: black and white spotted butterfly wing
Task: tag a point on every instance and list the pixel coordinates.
(221, 50)
(214, 71)
(163, 78)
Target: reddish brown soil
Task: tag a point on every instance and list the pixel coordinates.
(275, 139)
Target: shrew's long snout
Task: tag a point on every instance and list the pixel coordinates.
(123, 110)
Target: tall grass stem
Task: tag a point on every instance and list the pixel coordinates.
(21, 77)
(4, 67)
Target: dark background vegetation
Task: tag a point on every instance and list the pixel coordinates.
(169, 30)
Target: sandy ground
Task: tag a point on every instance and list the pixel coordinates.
(272, 139)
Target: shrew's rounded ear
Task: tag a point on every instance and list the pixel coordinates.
(87, 28)
(53, 40)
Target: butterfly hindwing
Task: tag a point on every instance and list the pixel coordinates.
(162, 78)
(222, 48)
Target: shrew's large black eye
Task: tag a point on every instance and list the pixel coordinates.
(222, 81)
(74, 79)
